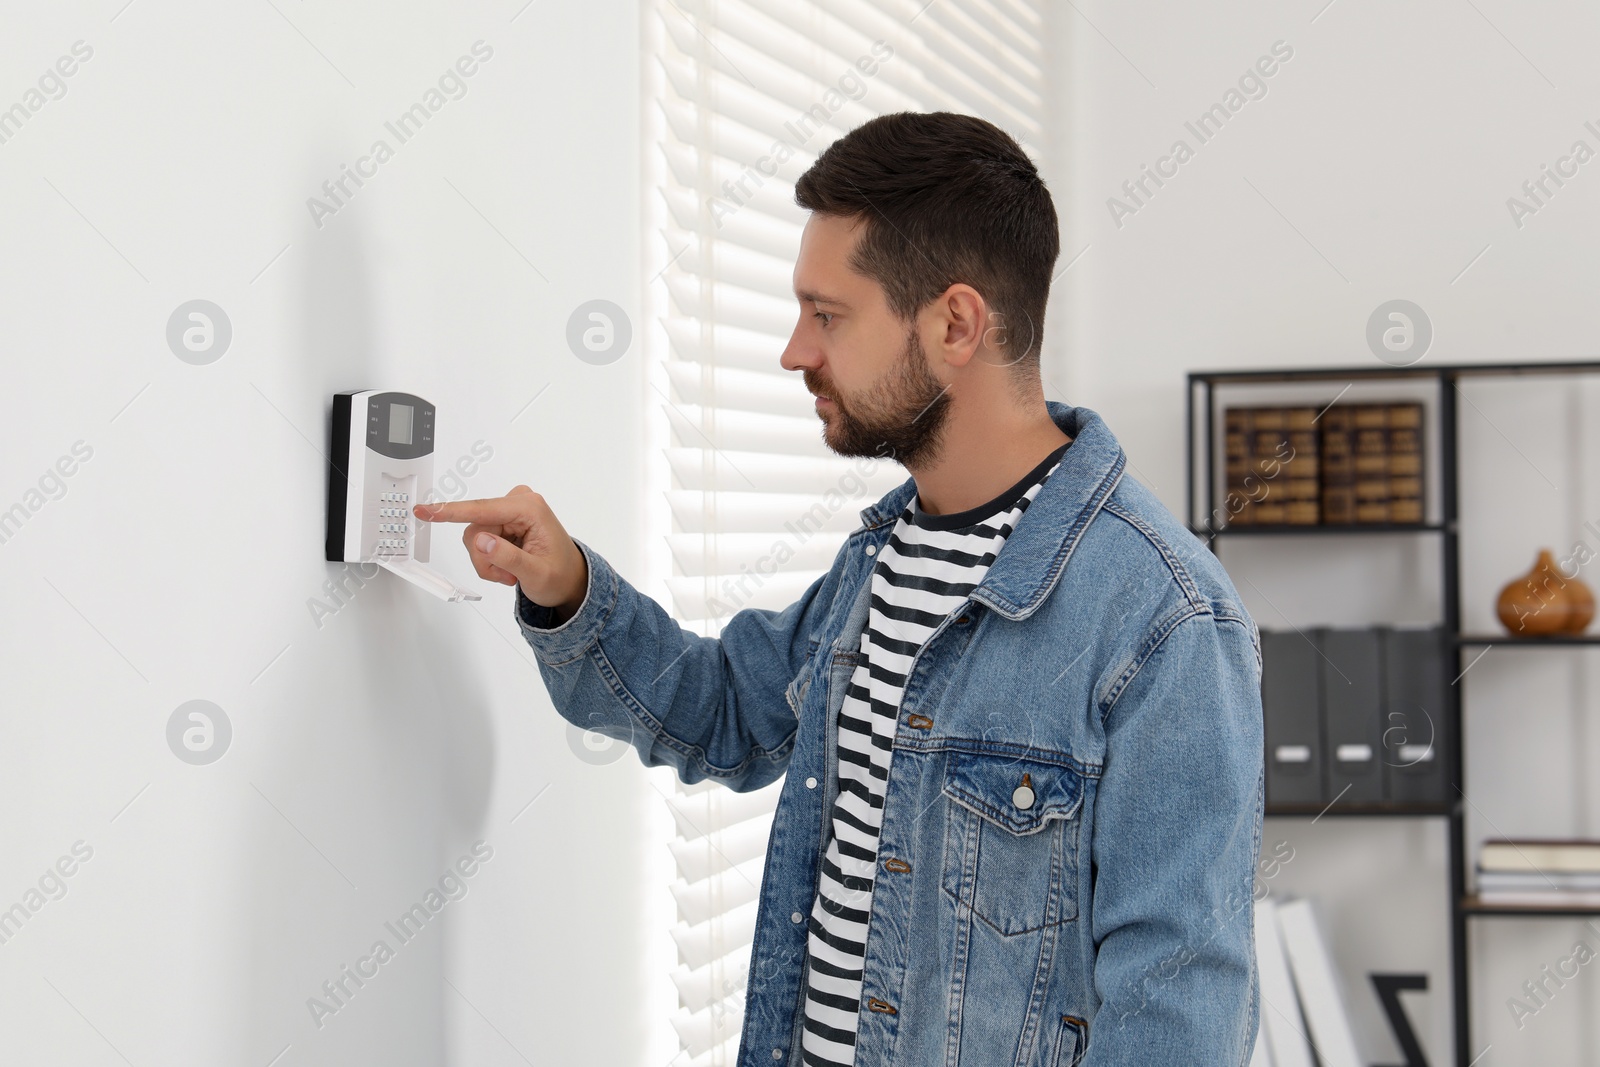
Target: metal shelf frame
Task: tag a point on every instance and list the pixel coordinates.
(1200, 415)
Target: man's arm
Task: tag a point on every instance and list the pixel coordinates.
(708, 707)
(1176, 838)
(616, 663)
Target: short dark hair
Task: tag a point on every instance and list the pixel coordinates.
(946, 198)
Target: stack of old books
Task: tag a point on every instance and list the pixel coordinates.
(1271, 458)
(1549, 873)
(1352, 464)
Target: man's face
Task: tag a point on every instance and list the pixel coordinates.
(877, 393)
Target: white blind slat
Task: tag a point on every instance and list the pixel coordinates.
(695, 555)
(705, 1030)
(728, 847)
(774, 513)
(702, 901)
(700, 987)
(732, 471)
(702, 599)
(735, 430)
(700, 944)
(696, 813)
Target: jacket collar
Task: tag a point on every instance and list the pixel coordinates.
(1037, 550)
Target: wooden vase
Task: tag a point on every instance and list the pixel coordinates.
(1543, 602)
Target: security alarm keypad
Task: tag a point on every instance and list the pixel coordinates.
(385, 444)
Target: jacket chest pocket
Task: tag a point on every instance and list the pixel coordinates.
(795, 691)
(1011, 840)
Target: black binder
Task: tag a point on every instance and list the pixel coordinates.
(1290, 679)
(1416, 734)
(1352, 701)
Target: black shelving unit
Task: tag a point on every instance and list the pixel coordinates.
(1200, 415)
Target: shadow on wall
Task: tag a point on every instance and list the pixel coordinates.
(378, 757)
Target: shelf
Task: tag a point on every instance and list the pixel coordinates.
(1391, 811)
(1320, 528)
(1208, 393)
(1371, 373)
(1472, 905)
(1527, 642)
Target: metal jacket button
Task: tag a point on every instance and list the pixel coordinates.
(1022, 796)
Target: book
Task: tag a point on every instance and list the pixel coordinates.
(1371, 429)
(1550, 899)
(1299, 480)
(1338, 466)
(1371, 463)
(1283, 1028)
(1539, 881)
(1327, 1021)
(1539, 855)
(1405, 462)
(1271, 472)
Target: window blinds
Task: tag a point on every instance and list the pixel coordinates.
(741, 95)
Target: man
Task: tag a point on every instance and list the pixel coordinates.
(1020, 715)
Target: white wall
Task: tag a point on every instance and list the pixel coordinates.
(1377, 166)
(370, 752)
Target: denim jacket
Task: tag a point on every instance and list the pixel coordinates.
(1103, 921)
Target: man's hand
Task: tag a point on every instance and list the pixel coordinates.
(516, 539)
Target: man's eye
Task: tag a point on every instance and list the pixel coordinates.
(825, 316)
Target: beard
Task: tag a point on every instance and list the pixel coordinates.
(901, 417)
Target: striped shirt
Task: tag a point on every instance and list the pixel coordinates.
(926, 570)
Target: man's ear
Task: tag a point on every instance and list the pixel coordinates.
(959, 322)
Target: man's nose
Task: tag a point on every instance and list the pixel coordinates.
(799, 353)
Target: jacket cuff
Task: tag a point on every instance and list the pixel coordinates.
(558, 644)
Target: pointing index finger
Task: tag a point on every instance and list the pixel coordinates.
(496, 510)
